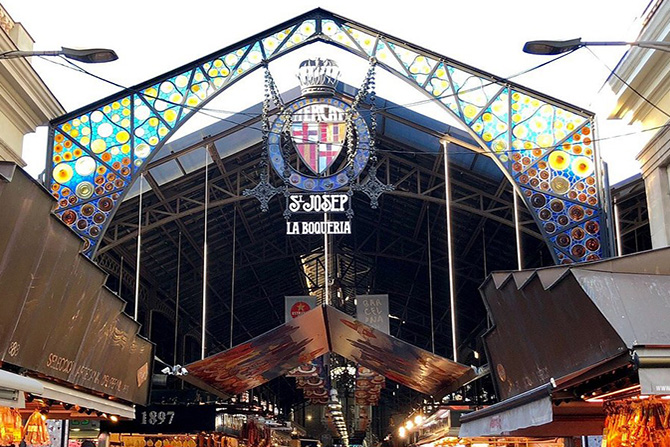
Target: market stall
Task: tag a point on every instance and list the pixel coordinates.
(576, 350)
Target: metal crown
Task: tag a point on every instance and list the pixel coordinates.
(318, 76)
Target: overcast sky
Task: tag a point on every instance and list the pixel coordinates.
(152, 37)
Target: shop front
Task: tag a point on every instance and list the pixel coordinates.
(206, 425)
(67, 349)
(580, 350)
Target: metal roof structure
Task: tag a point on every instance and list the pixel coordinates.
(143, 198)
(387, 251)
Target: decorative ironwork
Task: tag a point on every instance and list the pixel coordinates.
(318, 77)
(545, 147)
(263, 191)
(373, 187)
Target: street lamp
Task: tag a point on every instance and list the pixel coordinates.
(552, 47)
(89, 56)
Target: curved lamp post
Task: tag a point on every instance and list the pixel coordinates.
(553, 47)
(89, 56)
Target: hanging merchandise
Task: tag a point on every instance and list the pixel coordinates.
(637, 423)
(11, 426)
(256, 434)
(36, 431)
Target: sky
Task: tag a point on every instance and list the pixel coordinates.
(152, 37)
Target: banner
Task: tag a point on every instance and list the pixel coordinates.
(294, 306)
(373, 310)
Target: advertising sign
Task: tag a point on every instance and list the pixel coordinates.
(294, 306)
(373, 310)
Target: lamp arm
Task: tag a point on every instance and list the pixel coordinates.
(654, 45)
(18, 53)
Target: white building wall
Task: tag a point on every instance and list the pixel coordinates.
(25, 101)
(647, 71)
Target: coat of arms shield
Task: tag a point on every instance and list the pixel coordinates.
(318, 132)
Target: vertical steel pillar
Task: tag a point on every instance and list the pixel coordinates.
(139, 246)
(617, 229)
(517, 230)
(204, 264)
(430, 282)
(176, 300)
(232, 280)
(450, 253)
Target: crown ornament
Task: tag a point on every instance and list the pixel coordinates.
(318, 77)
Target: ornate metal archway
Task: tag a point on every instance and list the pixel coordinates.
(544, 146)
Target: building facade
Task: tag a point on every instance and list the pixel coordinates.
(25, 101)
(641, 83)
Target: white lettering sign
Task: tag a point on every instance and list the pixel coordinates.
(318, 203)
(333, 227)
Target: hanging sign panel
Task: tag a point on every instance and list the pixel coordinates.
(318, 203)
(166, 419)
(318, 227)
(311, 209)
(373, 310)
(294, 306)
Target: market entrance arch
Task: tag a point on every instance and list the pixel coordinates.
(543, 146)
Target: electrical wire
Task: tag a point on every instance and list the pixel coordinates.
(613, 73)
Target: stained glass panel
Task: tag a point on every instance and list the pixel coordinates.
(546, 149)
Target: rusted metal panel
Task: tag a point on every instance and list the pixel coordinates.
(265, 357)
(636, 305)
(542, 334)
(395, 359)
(322, 330)
(58, 319)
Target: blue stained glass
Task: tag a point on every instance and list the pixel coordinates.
(364, 40)
(303, 32)
(197, 92)
(418, 66)
(385, 55)
(272, 43)
(440, 87)
(336, 34)
(120, 136)
(472, 92)
(538, 126)
(492, 127)
(251, 60)
(220, 69)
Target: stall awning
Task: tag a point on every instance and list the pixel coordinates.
(317, 332)
(568, 325)
(653, 369)
(12, 387)
(529, 409)
(85, 400)
(554, 321)
(534, 414)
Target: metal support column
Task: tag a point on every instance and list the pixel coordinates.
(139, 246)
(450, 253)
(517, 231)
(204, 264)
(232, 280)
(617, 229)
